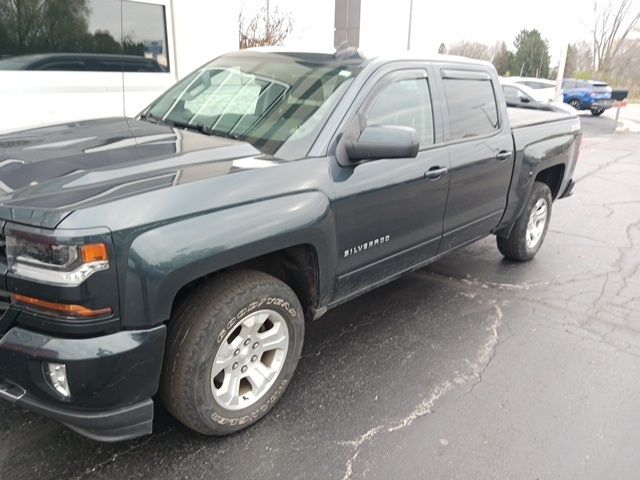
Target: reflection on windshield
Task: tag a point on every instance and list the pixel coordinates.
(266, 100)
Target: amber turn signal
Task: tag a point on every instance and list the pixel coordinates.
(61, 308)
(94, 252)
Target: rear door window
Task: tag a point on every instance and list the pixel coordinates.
(473, 111)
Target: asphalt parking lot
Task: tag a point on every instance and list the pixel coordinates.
(474, 367)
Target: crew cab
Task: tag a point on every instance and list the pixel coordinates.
(176, 256)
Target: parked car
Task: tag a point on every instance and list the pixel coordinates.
(544, 90)
(521, 96)
(82, 62)
(589, 95)
(182, 252)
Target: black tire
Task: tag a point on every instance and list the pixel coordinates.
(199, 324)
(597, 112)
(515, 247)
(575, 103)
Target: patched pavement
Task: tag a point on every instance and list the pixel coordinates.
(474, 367)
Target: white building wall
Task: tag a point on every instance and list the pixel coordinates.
(384, 26)
(203, 30)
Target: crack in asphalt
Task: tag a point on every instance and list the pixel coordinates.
(603, 166)
(135, 446)
(477, 367)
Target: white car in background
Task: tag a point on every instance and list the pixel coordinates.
(520, 96)
(543, 89)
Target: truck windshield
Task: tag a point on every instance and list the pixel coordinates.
(275, 101)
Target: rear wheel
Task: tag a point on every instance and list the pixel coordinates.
(529, 231)
(232, 348)
(596, 112)
(575, 103)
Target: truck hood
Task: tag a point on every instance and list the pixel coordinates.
(47, 173)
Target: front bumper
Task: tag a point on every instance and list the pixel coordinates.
(111, 378)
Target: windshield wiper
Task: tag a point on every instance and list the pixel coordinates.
(154, 119)
(204, 130)
(188, 126)
(219, 133)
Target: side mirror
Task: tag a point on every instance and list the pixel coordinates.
(524, 99)
(384, 141)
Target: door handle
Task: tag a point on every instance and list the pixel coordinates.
(434, 173)
(503, 155)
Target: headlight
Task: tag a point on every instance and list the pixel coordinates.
(43, 260)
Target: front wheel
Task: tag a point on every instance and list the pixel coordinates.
(529, 231)
(596, 112)
(232, 347)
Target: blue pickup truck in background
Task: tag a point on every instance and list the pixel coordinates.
(587, 95)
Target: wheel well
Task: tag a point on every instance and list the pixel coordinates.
(296, 266)
(552, 176)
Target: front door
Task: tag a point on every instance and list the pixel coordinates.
(390, 211)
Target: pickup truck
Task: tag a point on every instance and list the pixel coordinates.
(176, 256)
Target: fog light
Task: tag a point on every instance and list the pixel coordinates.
(57, 377)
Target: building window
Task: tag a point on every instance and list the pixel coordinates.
(83, 35)
(144, 34)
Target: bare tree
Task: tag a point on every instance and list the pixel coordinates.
(470, 49)
(502, 58)
(267, 27)
(612, 23)
(579, 58)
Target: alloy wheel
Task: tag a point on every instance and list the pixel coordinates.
(249, 360)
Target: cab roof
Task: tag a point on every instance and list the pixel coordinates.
(352, 53)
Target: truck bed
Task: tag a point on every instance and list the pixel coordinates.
(524, 117)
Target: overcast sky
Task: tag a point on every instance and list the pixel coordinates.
(384, 22)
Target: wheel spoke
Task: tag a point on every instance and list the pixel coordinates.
(230, 390)
(541, 214)
(224, 356)
(258, 377)
(275, 338)
(259, 319)
(248, 327)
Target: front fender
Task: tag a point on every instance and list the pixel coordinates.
(163, 260)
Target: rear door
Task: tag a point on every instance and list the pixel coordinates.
(481, 151)
(389, 211)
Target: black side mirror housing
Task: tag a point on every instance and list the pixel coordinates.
(524, 99)
(384, 141)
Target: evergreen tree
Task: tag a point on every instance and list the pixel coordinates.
(532, 55)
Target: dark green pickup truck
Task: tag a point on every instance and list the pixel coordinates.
(175, 257)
